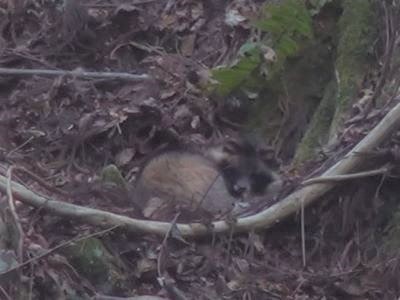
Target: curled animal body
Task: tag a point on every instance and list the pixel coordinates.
(210, 184)
(181, 179)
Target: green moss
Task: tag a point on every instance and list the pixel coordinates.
(357, 31)
(289, 25)
(94, 262)
(111, 174)
(391, 241)
(319, 126)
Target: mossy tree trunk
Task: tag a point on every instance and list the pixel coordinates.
(357, 31)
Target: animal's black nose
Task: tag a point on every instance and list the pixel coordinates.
(239, 190)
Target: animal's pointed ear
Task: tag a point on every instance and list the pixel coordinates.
(268, 156)
(239, 146)
(232, 146)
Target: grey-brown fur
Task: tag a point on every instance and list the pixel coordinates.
(182, 178)
(212, 182)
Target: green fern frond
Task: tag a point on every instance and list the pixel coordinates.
(289, 23)
(290, 27)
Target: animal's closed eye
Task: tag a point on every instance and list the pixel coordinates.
(260, 181)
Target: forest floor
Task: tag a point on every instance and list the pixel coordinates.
(65, 129)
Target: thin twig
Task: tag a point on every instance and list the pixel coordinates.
(41, 181)
(164, 244)
(303, 233)
(163, 281)
(5, 293)
(31, 279)
(9, 154)
(76, 73)
(48, 252)
(15, 216)
(346, 177)
(132, 2)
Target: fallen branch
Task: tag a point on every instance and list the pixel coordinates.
(75, 73)
(265, 219)
(347, 177)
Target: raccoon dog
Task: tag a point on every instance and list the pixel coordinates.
(211, 183)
